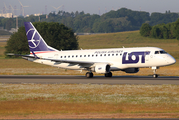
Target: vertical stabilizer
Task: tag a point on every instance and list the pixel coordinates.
(35, 41)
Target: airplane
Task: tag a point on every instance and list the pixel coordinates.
(102, 61)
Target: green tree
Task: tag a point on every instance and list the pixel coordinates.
(159, 18)
(165, 32)
(56, 35)
(9, 24)
(155, 32)
(145, 29)
(17, 43)
(177, 29)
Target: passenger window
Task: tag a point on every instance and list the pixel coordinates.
(61, 56)
(104, 54)
(84, 55)
(80, 55)
(88, 55)
(68, 56)
(64, 56)
(101, 55)
(92, 55)
(112, 54)
(76, 55)
(108, 54)
(116, 54)
(72, 56)
(96, 55)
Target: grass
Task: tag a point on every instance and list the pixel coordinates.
(80, 99)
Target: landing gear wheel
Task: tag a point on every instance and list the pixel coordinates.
(89, 74)
(155, 76)
(154, 70)
(108, 74)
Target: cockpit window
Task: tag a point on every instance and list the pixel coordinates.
(156, 52)
(160, 52)
(163, 52)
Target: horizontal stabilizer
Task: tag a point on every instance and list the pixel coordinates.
(27, 56)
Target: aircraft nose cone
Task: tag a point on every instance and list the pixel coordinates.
(171, 60)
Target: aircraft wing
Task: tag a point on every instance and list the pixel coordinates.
(71, 61)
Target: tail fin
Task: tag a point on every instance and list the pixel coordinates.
(35, 41)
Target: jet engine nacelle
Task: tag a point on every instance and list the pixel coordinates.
(131, 70)
(101, 68)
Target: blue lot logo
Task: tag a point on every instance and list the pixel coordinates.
(133, 57)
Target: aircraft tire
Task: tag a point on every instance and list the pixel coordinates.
(155, 76)
(89, 74)
(108, 74)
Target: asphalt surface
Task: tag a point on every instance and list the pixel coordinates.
(58, 79)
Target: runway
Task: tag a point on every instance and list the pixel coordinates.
(58, 79)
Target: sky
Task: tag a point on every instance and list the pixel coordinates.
(92, 6)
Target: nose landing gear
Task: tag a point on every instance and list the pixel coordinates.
(154, 70)
(155, 76)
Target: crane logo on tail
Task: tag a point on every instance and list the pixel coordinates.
(34, 38)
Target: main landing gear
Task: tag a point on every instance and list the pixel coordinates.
(154, 70)
(108, 74)
(90, 74)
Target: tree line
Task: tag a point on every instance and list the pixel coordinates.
(114, 21)
(161, 31)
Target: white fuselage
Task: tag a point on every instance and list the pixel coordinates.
(117, 58)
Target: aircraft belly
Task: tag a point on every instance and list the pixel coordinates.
(46, 62)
